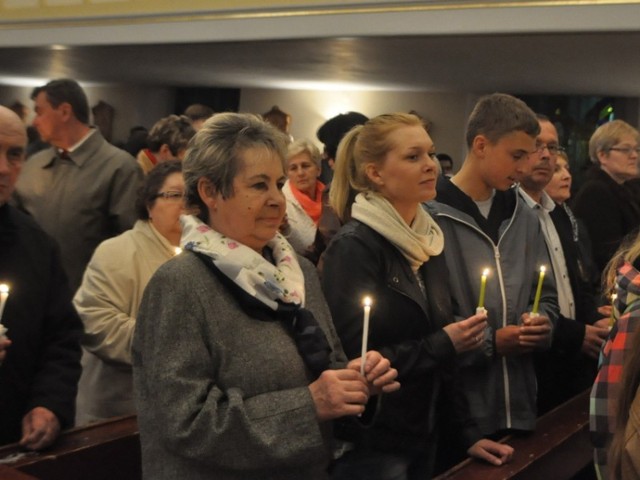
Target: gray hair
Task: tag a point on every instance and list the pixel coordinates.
(607, 135)
(215, 153)
(305, 146)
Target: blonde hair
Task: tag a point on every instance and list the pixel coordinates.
(629, 251)
(607, 135)
(303, 145)
(363, 144)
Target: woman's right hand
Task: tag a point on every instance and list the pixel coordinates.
(338, 393)
(467, 334)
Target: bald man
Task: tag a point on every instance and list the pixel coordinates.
(40, 351)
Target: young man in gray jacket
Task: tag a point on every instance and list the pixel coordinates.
(487, 225)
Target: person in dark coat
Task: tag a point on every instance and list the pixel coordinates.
(608, 208)
(40, 351)
(390, 251)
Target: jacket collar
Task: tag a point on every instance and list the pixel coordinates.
(80, 153)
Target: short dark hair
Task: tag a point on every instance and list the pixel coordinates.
(331, 132)
(66, 90)
(153, 182)
(499, 114)
(198, 111)
(174, 131)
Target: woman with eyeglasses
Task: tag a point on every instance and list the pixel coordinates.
(111, 291)
(238, 371)
(607, 206)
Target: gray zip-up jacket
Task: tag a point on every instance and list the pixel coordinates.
(501, 390)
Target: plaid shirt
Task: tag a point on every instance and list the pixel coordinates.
(604, 394)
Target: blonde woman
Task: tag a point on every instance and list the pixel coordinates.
(390, 250)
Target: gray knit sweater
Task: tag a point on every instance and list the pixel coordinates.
(219, 394)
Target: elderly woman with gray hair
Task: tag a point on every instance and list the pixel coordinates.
(605, 204)
(237, 367)
(303, 192)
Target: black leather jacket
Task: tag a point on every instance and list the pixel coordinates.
(405, 327)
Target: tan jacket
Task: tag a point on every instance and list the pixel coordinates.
(107, 302)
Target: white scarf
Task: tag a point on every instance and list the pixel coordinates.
(417, 242)
(246, 267)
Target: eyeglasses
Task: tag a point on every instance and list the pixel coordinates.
(626, 150)
(173, 196)
(553, 148)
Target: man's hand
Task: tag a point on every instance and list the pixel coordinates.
(535, 332)
(40, 427)
(492, 452)
(594, 338)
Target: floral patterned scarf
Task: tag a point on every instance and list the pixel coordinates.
(248, 269)
(259, 286)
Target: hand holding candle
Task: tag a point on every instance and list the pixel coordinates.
(536, 300)
(483, 289)
(365, 332)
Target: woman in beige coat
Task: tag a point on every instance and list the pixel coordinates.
(111, 291)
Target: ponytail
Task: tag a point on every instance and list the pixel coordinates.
(342, 193)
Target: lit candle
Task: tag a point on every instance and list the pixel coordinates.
(536, 300)
(4, 294)
(177, 250)
(365, 332)
(612, 318)
(483, 288)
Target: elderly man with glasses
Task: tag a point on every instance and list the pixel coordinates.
(569, 367)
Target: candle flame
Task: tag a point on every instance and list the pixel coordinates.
(177, 250)
(4, 288)
(485, 272)
(543, 269)
(613, 297)
(367, 301)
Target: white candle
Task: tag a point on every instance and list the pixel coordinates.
(612, 317)
(4, 294)
(365, 332)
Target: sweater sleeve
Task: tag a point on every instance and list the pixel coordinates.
(191, 412)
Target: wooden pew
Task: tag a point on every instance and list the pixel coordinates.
(100, 451)
(557, 450)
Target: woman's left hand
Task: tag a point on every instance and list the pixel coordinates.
(380, 376)
(492, 452)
